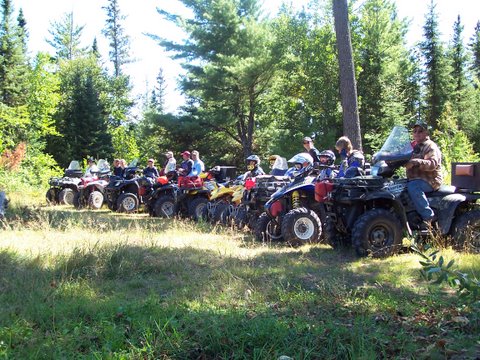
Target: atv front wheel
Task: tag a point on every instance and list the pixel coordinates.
(65, 197)
(95, 200)
(377, 232)
(127, 203)
(466, 232)
(164, 207)
(301, 226)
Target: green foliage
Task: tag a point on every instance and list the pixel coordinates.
(124, 143)
(66, 38)
(436, 270)
(453, 143)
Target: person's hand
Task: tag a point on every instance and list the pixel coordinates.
(412, 163)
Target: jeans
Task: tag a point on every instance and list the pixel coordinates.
(417, 189)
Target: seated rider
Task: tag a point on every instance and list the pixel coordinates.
(117, 168)
(253, 167)
(276, 163)
(187, 164)
(198, 165)
(92, 168)
(327, 159)
(352, 162)
(151, 171)
(424, 171)
(302, 164)
(170, 165)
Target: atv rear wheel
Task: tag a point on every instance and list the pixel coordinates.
(164, 207)
(65, 197)
(240, 215)
(266, 229)
(95, 200)
(466, 232)
(50, 196)
(196, 207)
(127, 203)
(301, 226)
(377, 232)
(219, 215)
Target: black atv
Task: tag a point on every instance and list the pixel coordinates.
(256, 193)
(126, 193)
(374, 212)
(62, 190)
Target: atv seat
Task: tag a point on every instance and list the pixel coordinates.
(443, 190)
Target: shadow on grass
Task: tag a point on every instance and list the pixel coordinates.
(158, 302)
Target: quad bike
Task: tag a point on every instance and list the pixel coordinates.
(256, 193)
(221, 195)
(62, 190)
(292, 214)
(186, 197)
(127, 193)
(91, 189)
(373, 212)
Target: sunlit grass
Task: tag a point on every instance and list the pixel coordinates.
(105, 285)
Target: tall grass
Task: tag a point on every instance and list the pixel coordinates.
(81, 284)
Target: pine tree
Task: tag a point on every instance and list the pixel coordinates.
(13, 61)
(475, 49)
(66, 38)
(437, 81)
(157, 100)
(119, 42)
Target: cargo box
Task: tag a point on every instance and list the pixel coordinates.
(466, 175)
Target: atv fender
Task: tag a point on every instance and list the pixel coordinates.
(446, 210)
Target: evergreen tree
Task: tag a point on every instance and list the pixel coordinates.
(65, 38)
(157, 100)
(13, 61)
(475, 49)
(437, 79)
(458, 58)
(229, 65)
(119, 42)
(385, 71)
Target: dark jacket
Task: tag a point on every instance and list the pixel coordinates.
(151, 172)
(118, 171)
(315, 154)
(186, 165)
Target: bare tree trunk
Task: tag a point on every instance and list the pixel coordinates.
(348, 86)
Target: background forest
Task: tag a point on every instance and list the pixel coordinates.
(253, 85)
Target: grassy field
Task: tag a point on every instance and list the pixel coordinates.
(82, 284)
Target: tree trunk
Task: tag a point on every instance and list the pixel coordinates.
(348, 86)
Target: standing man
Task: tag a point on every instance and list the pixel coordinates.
(311, 149)
(151, 171)
(424, 171)
(198, 165)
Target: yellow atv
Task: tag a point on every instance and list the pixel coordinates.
(221, 199)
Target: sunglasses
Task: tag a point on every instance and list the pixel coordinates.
(417, 131)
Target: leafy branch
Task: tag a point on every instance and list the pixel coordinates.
(437, 271)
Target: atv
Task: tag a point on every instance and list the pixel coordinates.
(256, 193)
(91, 189)
(372, 213)
(62, 190)
(292, 214)
(126, 193)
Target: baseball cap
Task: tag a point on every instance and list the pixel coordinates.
(307, 139)
(186, 152)
(151, 160)
(422, 124)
